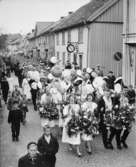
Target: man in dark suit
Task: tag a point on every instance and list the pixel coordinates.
(15, 117)
(34, 92)
(110, 80)
(48, 147)
(32, 158)
(4, 88)
(102, 125)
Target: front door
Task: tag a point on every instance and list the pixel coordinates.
(132, 56)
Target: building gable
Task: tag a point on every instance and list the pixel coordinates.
(112, 14)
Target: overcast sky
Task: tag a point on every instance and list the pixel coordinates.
(19, 16)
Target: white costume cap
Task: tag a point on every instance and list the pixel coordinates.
(53, 60)
(88, 70)
(50, 76)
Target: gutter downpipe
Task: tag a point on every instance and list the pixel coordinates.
(125, 31)
(88, 43)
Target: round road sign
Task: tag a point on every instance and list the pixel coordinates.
(70, 48)
(118, 56)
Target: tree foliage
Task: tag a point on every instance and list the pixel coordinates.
(3, 41)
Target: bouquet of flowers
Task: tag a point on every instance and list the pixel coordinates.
(128, 115)
(108, 118)
(89, 126)
(118, 118)
(49, 111)
(73, 126)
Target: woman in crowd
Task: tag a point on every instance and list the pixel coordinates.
(71, 132)
(26, 88)
(107, 119)
(88, 112)
(23, 107)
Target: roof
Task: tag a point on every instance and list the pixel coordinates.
(84, 13)
(60, 22)
(30, 36)
(51, 27)
(14, 39)
(40, 26)
(46, 29)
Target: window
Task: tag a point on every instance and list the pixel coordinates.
(57, 39)
(63, 58)
(45, 40)
(80, 35)
(69, 36)
(46, 54)
(69, 57)
(57, 55)
(80, 60)
(63, 38)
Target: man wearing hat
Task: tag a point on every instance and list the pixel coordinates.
(48, 146)
(110, 80)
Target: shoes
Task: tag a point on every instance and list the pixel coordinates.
(79, 154)
(35, 108)
(110, 146)
(89, 152)
(13, 139)
(17, 138)
(106, 146)
(119, 147)
(124, 144)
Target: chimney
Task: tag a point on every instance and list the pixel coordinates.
(62, 17)
(70, 12)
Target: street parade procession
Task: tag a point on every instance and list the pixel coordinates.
(67, 83)
(78, 105)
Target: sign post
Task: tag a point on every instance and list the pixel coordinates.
(117, 57)
(72, 47)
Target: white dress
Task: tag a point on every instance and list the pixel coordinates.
(88, 108)
(74, 139)
(86, 89)
(26, 88)
(43, 101)
(13, 81)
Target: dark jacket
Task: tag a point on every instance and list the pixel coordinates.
(26, 161)
(48, 150)
(131, 95)
(5, 85)
(11, 101)
(101, 109)
(116, 100)
(15, 117)
(110, 82)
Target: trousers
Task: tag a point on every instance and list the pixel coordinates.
(34, 96)
(125, 135)
(115, 133)
(15, 129)
(104, 132)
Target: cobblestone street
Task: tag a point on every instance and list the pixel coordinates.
(10, 152)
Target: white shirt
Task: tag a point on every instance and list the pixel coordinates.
(47, 138)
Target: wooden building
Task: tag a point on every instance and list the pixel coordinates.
(97, 29)
(105, 36)
(39, 40)
(129, 42)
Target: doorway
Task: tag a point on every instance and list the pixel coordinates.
(132, 60)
